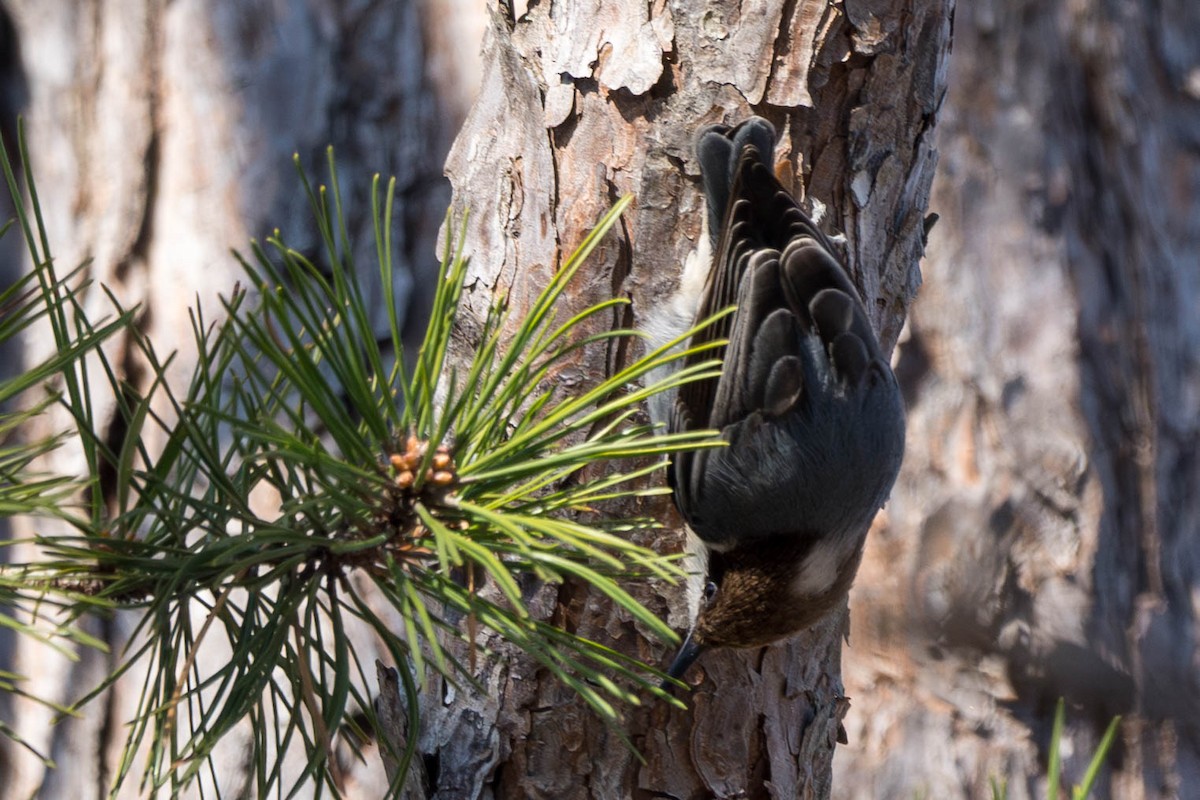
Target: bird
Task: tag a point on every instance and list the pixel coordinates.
(806, 404)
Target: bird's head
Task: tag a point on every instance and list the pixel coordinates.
(759, 594)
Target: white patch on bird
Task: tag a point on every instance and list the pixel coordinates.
(696, 267)
(819, 569)
(696, 564)
(664, 323)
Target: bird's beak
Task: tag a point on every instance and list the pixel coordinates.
(688, 653)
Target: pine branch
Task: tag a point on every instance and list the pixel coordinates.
(445, 492)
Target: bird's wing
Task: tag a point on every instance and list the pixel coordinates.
(799, 336)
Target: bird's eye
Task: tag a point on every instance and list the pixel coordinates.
(710, 591)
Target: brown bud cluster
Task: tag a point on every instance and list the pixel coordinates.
(407, 464)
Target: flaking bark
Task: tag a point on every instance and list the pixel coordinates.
(574, 112)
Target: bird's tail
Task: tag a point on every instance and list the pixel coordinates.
(719, 148)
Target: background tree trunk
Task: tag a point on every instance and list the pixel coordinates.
(1043, 538)
(577, 108)
(161, 136)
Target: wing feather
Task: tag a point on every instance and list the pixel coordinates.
(808, 405)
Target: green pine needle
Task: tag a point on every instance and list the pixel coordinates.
(305, 461)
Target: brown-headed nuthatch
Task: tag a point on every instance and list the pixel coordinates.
(806, 402)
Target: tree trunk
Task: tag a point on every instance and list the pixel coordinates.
(1043, 538)
(161, 136)
(576, 109)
